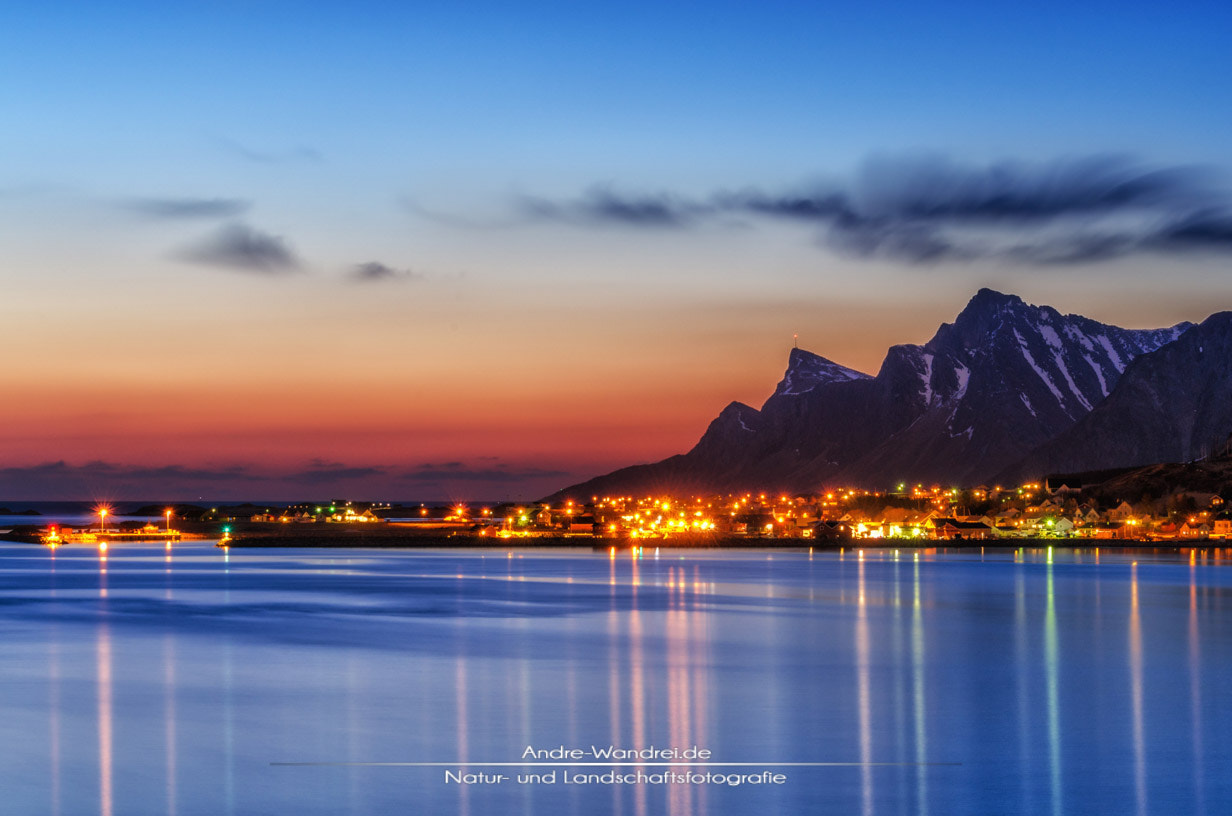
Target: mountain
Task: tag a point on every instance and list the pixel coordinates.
(1172, 405)
(1000, 381)
(1159, 481)
(1003, 379)
(807, 371)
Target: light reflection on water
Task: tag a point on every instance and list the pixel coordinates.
(145, 680)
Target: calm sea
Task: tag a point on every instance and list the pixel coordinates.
(183, 681)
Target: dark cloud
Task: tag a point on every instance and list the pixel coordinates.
(374, 271)
(602, 206)
(1208, 229)
(225, 474)
(920, 243)
(934, 188)
(60, 480)
(460, 472)
(1075, 249)
(239, 246)
(818, 207)
(320, 472)
(923, 209)
(188, 207)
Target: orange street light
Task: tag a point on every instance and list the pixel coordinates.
(168, 515)
(102, 519)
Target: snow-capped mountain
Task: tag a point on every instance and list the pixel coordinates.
(1172, 405)
(1001, 380)
(988, 389)
(806, 371)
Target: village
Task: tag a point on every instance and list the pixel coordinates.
(1029, 511)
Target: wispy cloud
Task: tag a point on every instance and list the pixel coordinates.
(239, 246)
(375, 271)
(185, 208)
(298, 153)
(928, 208)
(601, 205)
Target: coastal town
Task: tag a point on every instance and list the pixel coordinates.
(899, 516)
(1029, 511)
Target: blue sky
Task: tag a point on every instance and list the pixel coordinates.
(413, 193)
(481, 96)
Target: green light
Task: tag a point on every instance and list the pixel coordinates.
(226, 529)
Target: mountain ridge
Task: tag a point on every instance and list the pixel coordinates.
(975, 400)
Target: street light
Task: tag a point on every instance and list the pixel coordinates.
(102, 519)
(168, 515)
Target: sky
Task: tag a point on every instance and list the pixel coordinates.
(482, 251)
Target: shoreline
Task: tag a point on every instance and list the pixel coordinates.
(602, 544)
(247, 535)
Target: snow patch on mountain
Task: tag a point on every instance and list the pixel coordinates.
(1112, 355)
(963, 375)
(1099, 373)
(1043, 375)
(1073, 387)
(927, 376)
(1080, 338)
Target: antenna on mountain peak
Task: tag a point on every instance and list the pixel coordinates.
(795, 340)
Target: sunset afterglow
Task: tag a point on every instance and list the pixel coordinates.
(462, 253)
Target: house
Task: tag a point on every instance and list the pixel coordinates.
(1194, 530)
(952, 528)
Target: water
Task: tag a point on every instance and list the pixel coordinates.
(154, 681)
